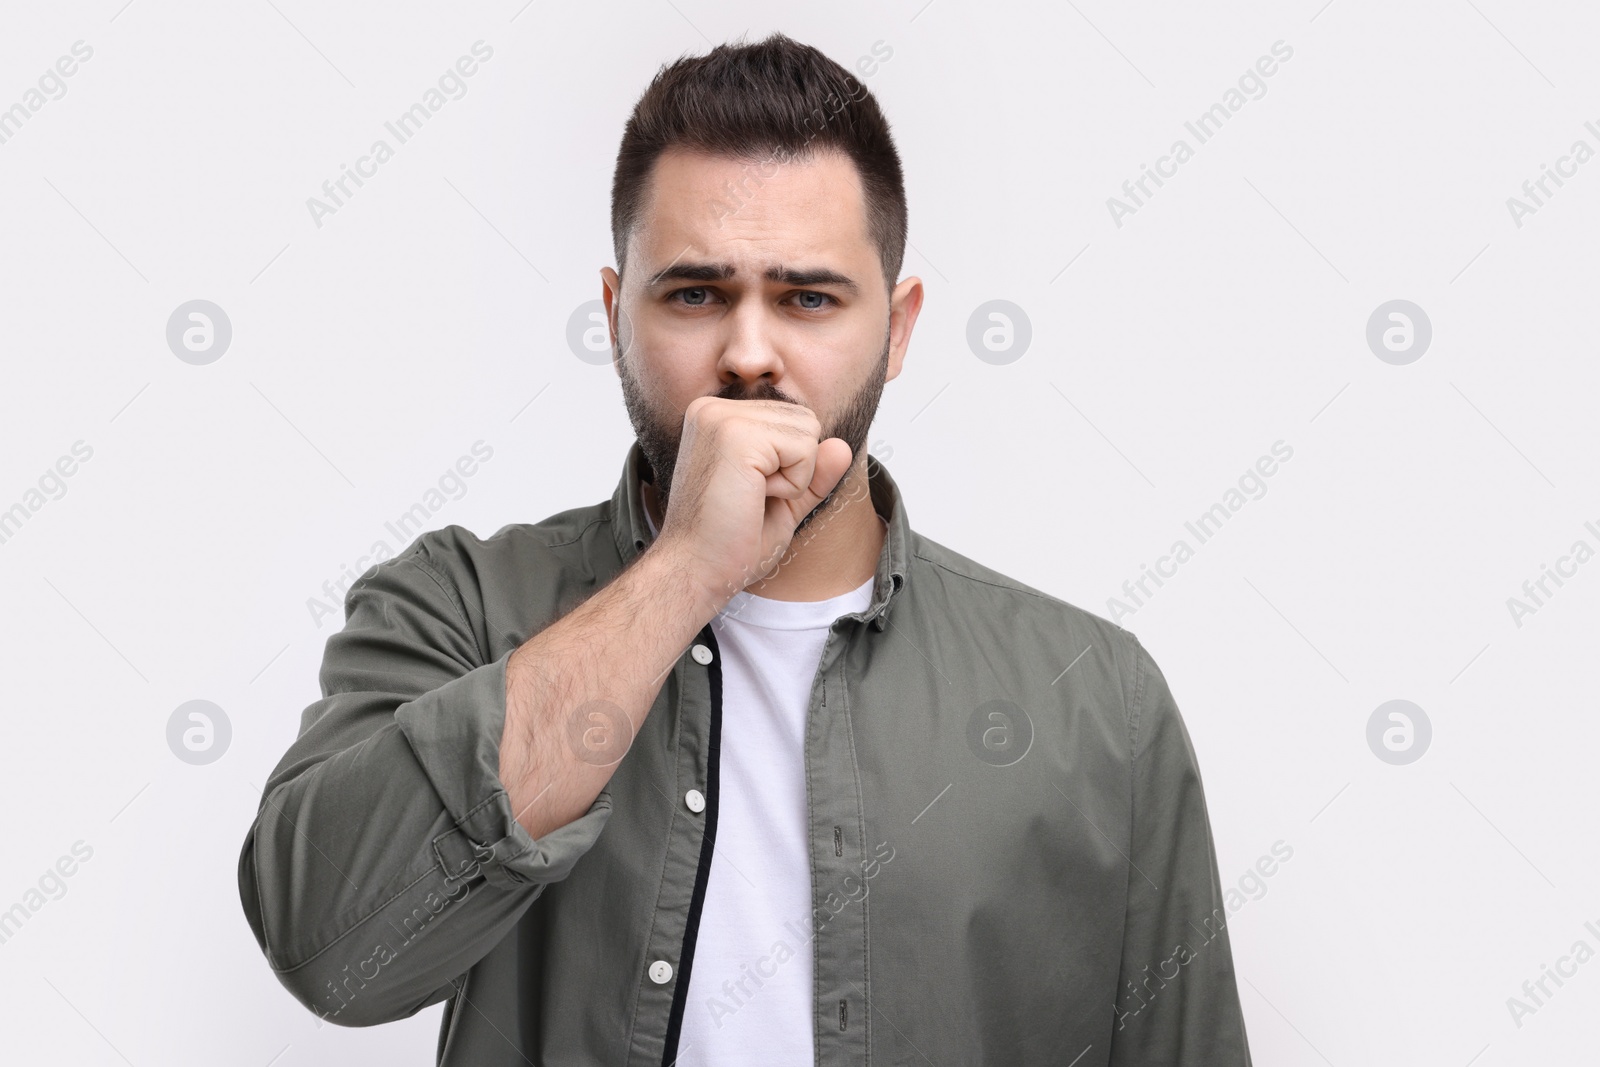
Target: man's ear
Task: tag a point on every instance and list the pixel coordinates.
(905, 304)
(611, 296)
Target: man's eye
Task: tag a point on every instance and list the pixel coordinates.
(698, 293)
(699, 296)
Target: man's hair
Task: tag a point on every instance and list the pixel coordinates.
(769, 103)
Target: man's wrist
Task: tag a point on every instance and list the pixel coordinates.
(666, 566)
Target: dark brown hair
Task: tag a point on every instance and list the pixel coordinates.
(767, 103)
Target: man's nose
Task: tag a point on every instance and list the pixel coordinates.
(750, 348)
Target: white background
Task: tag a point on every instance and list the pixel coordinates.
(430, 312)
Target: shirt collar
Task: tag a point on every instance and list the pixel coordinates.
(632, 530)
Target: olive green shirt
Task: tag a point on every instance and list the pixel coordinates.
(1011, 860)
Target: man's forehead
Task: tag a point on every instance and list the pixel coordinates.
(757, 216)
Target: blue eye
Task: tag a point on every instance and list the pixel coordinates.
(701, 297)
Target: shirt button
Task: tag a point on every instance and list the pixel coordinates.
(695, 799)
(661, 972)
(701, 654)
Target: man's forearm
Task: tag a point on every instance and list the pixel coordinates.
(578, 691)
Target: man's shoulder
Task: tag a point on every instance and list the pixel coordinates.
(967, 578)
(567, 541)
(985, 592)
(1058, 645)
(572, 529)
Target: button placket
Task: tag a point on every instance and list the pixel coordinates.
(670, 945)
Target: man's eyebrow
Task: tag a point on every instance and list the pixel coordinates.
(721, 272)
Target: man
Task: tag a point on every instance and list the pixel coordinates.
(735, 767)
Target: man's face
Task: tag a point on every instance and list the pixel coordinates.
(755, 282)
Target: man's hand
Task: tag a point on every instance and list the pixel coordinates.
(748, 471)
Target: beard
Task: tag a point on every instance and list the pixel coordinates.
(660, 436)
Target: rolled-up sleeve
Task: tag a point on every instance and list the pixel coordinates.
(1177, 1002)
(384, 859)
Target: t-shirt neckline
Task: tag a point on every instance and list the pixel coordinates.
(747, 607)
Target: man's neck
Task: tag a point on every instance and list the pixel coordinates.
(834, 554)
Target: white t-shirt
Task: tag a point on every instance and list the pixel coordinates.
(750, 985)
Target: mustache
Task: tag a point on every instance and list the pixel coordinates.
(763, 391)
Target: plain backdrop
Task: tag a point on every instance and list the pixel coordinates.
(1170, 348)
